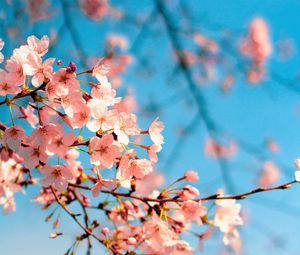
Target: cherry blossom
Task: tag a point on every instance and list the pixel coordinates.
(40, 46)
(14, 136)
(59, 144)
(270, 174)
(95, 9)
(57, 176)
(29, 114)
(215, 149)
(227, 218)
(108, 183)
(102, 119)
(155, 132)
(138, 168)
(105, 151)
(7, 84)
(100, 70)
(126, 126)
(37, 69)
(193, 211)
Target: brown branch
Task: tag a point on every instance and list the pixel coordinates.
(177, 200)
(74, 216)
(21, 95)
(249, 193)
(86, 219)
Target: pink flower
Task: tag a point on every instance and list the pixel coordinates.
(40, 46)
(14, 66)
(28, 114)
(191, 176)
(103, 95)
(38, 10)
(257, 44)
(14, 136)
(95, 9)
(128, 103)
(105, 151)
(10, 171)
(60, 144)
(100, 71)
(270, 174)
(33, 154)
(156, 234)
(258, 47)
(138, 168)
(108, 183)
(72, 102)
(149, 183)
(193, 211)
(57, 176)
(227, 214)
(125, 127)
(80, 117)
(214, 149)
(49, 115)
(38, 69)
(152, 150)
(206, 43)
(62, 84)
(232, 238)
(155, 132)
(118, 64)
(177, 247)
(74, 166)
(105, 231)
(7, 84)
(44, 134)
(102, 119)
(189, 192)
(45, 197)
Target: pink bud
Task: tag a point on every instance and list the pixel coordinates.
(105, 231)
(191, 176)
(72, 66)
(59, 62)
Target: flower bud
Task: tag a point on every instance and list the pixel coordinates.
(105, 231)
(191, 176)
(72, 66)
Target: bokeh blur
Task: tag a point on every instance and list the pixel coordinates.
(231, 111)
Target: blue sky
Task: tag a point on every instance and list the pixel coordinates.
(249, 113)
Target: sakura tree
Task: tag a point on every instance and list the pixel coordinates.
(91, 155)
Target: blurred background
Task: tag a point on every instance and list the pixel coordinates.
(229, 114)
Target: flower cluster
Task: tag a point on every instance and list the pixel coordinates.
(59, 121)
(258, 47)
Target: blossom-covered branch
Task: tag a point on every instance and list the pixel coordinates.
(78, 143)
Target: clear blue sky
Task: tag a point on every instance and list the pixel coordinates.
(247, 112)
